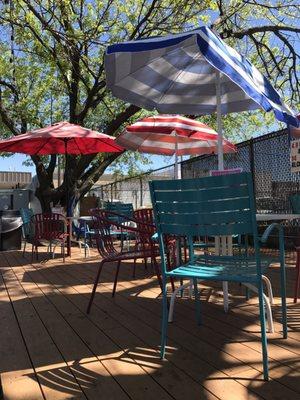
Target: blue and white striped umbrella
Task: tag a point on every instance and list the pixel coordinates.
(190, 73)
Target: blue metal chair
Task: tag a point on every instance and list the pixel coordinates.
(82, 228)
(214, 206)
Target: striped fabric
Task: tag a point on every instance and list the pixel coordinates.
(169, 135)
(295, 132)
(178, 74)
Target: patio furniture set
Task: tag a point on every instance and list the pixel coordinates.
(218, 206)
(190, 73)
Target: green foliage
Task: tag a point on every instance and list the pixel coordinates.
(56, 72)
(128, 164)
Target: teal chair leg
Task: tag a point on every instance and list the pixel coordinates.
(283, 301)
(263, 331)
(197, 303)
(247, 293)
(164, 324)
(283, 285)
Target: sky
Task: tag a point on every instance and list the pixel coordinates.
(15, 162)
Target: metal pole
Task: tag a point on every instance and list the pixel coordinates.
(180, 169)
(141, 192)
(219, 122)
(67, 182)
(176, 158)
(252, 165)
(176, 167)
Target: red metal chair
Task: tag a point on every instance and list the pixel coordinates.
(109, 251)
(49, 229)
(145, 216)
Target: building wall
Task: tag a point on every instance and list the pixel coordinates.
(10, 179)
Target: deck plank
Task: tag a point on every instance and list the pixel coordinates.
(86, 368)
(18, 378)
(181, 360)
(284, 352)
(124, 363)
(287, 376)
(55, 377)
(114, 351)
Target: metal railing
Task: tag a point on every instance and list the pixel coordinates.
(133, 190)
(266, 157)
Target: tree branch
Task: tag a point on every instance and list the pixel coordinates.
(143, 20)
(263, 28)
(122, 117)
(91, 176)
(7, 120)
(52, 165)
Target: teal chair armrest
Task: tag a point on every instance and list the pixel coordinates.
(154, 236)
(263, 239)
(275, 226)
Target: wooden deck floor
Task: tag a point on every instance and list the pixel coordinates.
(50, 348)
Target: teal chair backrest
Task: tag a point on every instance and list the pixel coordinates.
(26, 215)
(295, 203)
(120, 208)
(211, 206)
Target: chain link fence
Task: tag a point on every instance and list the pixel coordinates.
(133, 190)
(266, 157)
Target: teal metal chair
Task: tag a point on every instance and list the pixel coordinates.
(295, 203)
(27, 227)
(213, 206)
(120, 209)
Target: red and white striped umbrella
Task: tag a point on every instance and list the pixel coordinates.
(172, 135)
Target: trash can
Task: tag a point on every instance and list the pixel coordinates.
(10, 230)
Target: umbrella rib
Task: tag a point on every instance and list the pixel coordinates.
(181, 72)
(6, 148)
(79, 149)
(139, 68)
(42, 146)
(116, 147)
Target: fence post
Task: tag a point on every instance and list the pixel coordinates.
(252, 165)
(111, 192)
(141, 192)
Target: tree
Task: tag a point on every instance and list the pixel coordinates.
(51, 63)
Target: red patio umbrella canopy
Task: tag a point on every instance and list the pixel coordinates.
(61, 138)
(169, 135)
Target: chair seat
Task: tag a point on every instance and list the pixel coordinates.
(130, 255)
(118, 233)
(56, 237)
(221, 268)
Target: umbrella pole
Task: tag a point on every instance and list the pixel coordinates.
(67, 181)
(176, 167)
(219, 122)
(176, 175)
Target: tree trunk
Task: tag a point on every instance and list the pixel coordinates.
(76, 183)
